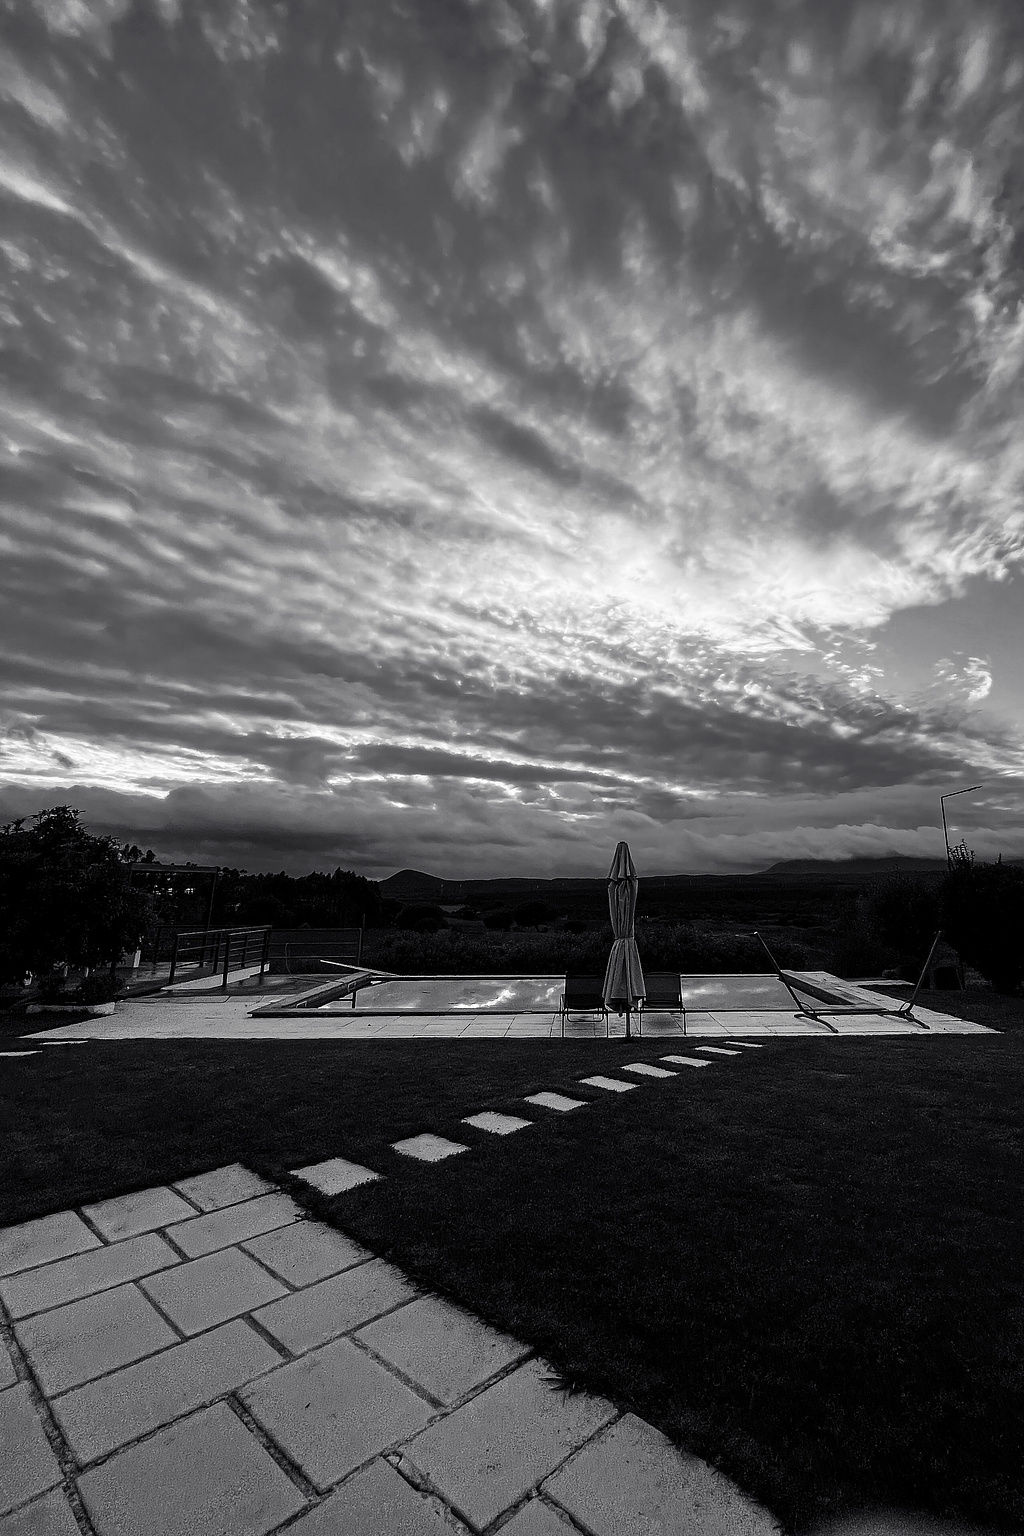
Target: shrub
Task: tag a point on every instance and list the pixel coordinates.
(983, 917)
(421, 918)
(686, 947)
(102, 988)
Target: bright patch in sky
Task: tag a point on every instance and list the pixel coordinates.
(463, 436)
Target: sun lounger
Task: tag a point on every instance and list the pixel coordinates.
(664, 995)
(582, 995)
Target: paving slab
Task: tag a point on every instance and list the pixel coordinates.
(43, 1241)
(335, 1176)
(535, 1518)
(377, 1502)
(497, 1125)
(105, 1414)
(210, 1290)
(489, 1453)
(632, 1481)
(27, 1465)
(554, 1101)
(748, 1045)
(719, 1050)
(334, 1409)
(49, 1516)
(19, 1053)
(72, 1344)
(222, 1186)
(428, 1148)
(100, 1269)
(143, 1211)
(306, 1252)
(234, 1223)
(445, 1351)
(613, 1084)
(645, 1069)
(8, 1375)
(205, 1476)
(687, 1061)
(308, 1318)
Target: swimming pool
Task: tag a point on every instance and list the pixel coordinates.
(540, 994)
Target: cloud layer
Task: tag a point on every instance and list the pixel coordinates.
(466, 434)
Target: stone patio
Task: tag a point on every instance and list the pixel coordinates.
(241, 1369)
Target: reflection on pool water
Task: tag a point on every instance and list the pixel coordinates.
(540, 994)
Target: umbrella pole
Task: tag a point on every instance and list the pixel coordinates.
(628, 1035)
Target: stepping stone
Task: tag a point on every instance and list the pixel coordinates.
(719, 1050)
(645, 1070)
(498, 1125)
(554, 1101)
(687, 1061)
(56, 1042)
(748, 1045)
(202, 1475)
(44, 1240)
(19, 1053)
(144, 1211)
(428, 1148)
(335, 1176)
(611, 1083)
(222, 1186)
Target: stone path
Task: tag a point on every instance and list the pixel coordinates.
(201, 1360)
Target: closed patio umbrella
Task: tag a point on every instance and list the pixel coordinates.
(623, 977)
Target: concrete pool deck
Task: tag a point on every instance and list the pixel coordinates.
(216, 1014)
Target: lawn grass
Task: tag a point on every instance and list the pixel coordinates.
(802, 1263)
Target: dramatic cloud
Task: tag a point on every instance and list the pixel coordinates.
(466, 434)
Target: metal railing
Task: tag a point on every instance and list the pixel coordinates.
(220, 949)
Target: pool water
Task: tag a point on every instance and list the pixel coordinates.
(541, 994)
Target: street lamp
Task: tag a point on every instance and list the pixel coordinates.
(942, 806)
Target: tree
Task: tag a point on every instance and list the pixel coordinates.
(531, 914)
(983, 917)
(903, 912)
(65, 897)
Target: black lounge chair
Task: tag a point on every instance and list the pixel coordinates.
(582, 994)
(664, 995)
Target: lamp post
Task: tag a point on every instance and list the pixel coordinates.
(942, 806)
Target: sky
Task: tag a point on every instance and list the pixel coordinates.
(460, 434)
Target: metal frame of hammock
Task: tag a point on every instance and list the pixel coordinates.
(904, 1011)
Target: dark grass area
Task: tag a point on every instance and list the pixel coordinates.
(803, 1263)
(982, 1004)
(80, 1122)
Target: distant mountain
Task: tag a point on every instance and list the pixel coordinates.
(896, 863)
(412, 885)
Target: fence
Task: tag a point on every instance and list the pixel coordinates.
(216, 949)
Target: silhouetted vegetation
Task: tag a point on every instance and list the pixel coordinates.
(983, 918)
(65, 898)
